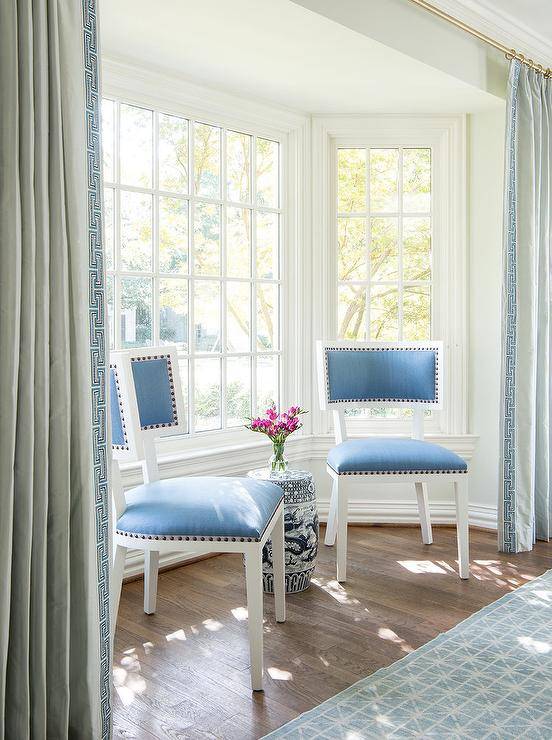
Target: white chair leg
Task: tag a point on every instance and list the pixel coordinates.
(462, 532)
(117, 582)
(151, 569)
(341, 531)
(423, 509)
(279, 566)
(254, 581)
(331, 526)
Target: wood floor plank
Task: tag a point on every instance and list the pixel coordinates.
(184, 671)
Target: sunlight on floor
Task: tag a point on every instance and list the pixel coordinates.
(336, 591)
(212, 625)
(278, 675)
(178, 635)
(240, 613)
(421, 566)
(385, 633)
(127, 679)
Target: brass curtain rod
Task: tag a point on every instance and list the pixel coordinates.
(510, 53)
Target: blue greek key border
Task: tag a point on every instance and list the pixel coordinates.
(97, 349)
(507, 526)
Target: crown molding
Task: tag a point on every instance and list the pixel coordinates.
(492, 20)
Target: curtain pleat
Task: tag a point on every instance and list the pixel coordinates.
(54, 637)
(525, 500)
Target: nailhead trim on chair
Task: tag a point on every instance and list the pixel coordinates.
(382, 349)
(400, 472)
(188, 538)
(174, 422)
(124, 446)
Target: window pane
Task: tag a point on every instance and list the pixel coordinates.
(267, 245)
(417, 180)
(238, 317)
(109, 240)
(136, 330)
(352, 253)
(384, 251)
(110, 298)
(384, 313)
(135, 145)
(207, 239)
(238, 242)
(417, 248)
(207, 316)
(173, 153)
(352, 311)
(267, 382)
(108, 139)
(173, 312)
(267, 316)
(351, 180)
(207, 160)
(384, 176)
(183, 366)
(267, 173)
(238, 390)
(416, 313)
(136, 231)
(207, 394)
(238, 167)
(173, 235)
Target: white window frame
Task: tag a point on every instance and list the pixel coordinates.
(446, 138)
(162, 93)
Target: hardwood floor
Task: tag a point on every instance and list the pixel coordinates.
(183, 672)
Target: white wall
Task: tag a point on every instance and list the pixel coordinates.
(485, 179)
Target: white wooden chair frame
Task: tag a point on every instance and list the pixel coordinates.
(338, 513)
(141, 445)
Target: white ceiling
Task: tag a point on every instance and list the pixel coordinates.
(276, 51)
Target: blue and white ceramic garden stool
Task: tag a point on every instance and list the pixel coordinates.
(300, 528)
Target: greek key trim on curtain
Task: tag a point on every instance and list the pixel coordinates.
(507, 530)
(525, 500)
(98, 348)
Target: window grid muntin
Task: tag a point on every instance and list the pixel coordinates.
(117, 274)
(400, 214)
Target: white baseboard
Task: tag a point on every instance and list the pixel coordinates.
(360, 512)
(134, 565)
(406, 512)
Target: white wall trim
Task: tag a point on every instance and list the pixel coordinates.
(124, 78)
(370, 511)
(360, 512)
(238, 459)
(497, 23)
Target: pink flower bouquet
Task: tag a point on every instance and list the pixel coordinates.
(278, 427)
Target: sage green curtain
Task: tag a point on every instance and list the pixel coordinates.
(525, 501)
(54, 633)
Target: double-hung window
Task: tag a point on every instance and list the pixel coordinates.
(384, 225)
(192, 237)
(393, 245)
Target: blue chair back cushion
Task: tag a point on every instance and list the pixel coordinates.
(380, 455)
(119, 439)
(216, 509)
(155, 395)
(363, 374)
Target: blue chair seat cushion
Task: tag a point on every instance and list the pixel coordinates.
(388, 455)
(197, 509)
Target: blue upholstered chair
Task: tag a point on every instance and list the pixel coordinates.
(210, 514)
(368, 374)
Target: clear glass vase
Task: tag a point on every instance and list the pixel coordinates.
(278, 462)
